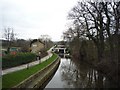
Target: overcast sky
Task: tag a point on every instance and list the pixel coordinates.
(32, 18)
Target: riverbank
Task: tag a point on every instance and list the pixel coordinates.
(14, 78)
(38, 79)
(107, 69)
(24, 66)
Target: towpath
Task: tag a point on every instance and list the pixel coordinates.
(13, 69)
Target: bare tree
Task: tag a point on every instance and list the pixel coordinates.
(9, 35)
(101, 22)
(100, 19)
(68, 35)
(47, 40)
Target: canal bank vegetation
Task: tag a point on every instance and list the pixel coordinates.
(10, 60)
(94, 36)
(14, 78)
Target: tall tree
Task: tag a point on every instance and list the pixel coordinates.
(97, 18)
(47, 40)
(9, 35)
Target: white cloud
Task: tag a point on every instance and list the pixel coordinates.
(32, 18)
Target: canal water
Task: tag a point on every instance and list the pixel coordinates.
(72, 74)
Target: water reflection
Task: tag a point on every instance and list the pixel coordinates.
(71, 74)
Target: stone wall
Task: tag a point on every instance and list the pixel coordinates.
(53, 66)
(36, 47)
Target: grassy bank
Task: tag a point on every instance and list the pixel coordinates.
(12, 79)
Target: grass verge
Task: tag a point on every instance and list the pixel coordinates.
(12, 79)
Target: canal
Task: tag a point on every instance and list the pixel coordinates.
(72, 74)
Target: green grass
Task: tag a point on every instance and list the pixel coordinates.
(12, 79)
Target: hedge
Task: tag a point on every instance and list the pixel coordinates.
(18, 59)
(14, 78)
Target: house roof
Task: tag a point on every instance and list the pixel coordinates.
(35, 40)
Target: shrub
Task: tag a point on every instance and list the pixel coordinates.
(18, 59)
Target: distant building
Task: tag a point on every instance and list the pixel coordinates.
(36, 46)
(59, 49)
(14, 50)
